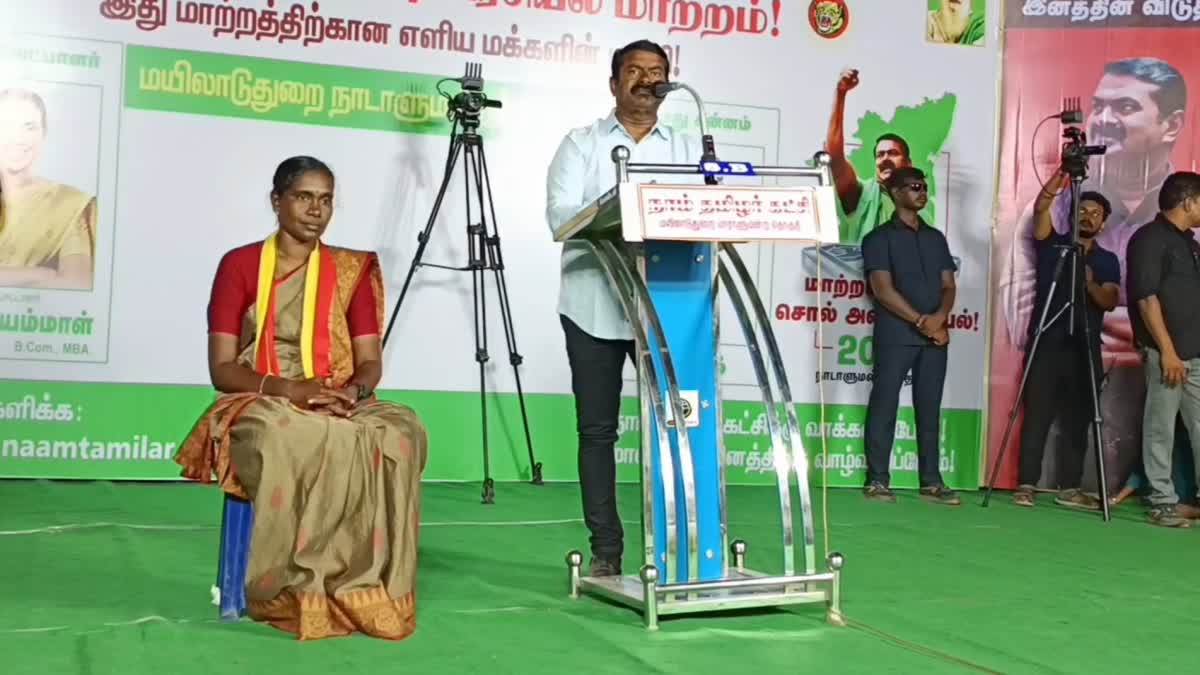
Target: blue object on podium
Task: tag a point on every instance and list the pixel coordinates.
(661, 246)
(237, 523)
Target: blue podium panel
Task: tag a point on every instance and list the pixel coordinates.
(680, 279)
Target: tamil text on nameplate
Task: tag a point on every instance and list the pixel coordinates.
(737, 213)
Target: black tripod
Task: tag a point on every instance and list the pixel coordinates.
(484, 254)
(1073, 252)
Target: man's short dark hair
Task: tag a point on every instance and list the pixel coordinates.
(618, 58)
(895, 139)
(1090, 196)
(1178, 188)
(903, 176)
(1171, 94)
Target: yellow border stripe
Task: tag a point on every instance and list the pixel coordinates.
(312, 280)
(266, 278)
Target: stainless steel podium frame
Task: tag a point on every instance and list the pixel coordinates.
(600, 224)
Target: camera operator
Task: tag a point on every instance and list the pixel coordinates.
(1058, 384)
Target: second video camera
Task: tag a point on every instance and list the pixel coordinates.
(1075, 151)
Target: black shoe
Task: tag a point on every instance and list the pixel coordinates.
(879, 492)
(605, 567)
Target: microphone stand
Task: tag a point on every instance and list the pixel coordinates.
(708, 146)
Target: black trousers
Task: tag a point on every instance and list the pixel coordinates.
(1057, 388)
(892, 365)
(596, 366)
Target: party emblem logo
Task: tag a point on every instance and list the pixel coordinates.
(829, 18)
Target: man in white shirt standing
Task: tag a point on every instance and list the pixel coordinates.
(598, 334)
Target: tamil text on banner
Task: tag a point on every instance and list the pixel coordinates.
(165, 120)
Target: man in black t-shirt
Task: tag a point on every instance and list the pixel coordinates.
(1163, 261)
(911, 275)
(1059, 377)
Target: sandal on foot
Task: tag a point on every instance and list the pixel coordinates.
(1024, 496)
(1077, 499)
(940, 494)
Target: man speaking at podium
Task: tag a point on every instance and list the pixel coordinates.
(598, 334)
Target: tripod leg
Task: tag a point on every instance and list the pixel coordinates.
(477, 246)
(1094, 391)
(495, 261)
(1098, 440)
(1043, 324)
(481, 355)
(1012, 419)
(423, 238)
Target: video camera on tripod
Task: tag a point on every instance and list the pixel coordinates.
(1075, 151)
(483, 252)
(468, 103)
(1068, 273)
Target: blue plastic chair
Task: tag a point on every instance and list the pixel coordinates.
(237, 522)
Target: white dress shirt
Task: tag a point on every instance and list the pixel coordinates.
(581, 171)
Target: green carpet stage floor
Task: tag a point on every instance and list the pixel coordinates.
(114, 578)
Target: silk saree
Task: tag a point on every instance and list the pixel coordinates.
(336, 500)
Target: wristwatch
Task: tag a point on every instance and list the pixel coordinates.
(364, 392)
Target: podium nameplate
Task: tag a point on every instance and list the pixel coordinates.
(728, 213)
(716, 213)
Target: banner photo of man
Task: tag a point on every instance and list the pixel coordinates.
(956, 22)
(1130, 69)
(859, 175)
(881, 124)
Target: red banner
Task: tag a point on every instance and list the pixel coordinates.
(1132, 70)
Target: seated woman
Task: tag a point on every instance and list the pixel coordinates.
(47, 230)
(333, 473)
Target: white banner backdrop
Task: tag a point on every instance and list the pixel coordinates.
(181, 174)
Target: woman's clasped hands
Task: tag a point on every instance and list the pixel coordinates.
(319, 395)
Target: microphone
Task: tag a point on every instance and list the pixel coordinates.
(663, 88)
(708, 147)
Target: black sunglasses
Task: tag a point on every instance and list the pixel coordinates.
(918, 187)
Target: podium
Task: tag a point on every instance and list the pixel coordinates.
(668, 249)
